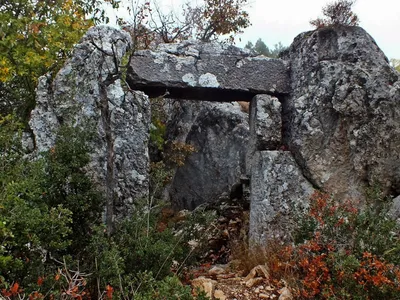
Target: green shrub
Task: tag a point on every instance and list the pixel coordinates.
(66, 183)
(50, 225)
(138, 258)
(168, 288)
(30, 229)
(47, 206)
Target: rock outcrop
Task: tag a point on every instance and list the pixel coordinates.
(342, 116)
(206, 71)
(220, 134)
(87, 91)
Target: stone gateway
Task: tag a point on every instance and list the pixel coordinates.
(323, 116)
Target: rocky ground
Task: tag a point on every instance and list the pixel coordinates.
(222, 274)
(224, 282)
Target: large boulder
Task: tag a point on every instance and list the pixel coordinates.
(206, 71)
(342, 116)
(87, 92)
(220, 133)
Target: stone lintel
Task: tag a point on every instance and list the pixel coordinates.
(199, 71)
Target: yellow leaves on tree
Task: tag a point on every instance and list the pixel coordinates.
(37, 37)
(5, 69)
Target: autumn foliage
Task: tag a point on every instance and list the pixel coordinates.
(222, 17)
(64, 285)
(342, 252)
(339, 251)
(204, 20)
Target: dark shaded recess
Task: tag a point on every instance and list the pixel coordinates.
(194, 93)
(270, 145)
(206, 194)
(287, 120)
(236, 192)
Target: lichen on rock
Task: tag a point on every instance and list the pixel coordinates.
(88, 90)
(342, 115)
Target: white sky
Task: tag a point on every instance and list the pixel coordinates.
(282, 20)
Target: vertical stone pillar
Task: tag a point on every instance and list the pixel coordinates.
(277, 186)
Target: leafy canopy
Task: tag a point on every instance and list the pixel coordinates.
(36, 37)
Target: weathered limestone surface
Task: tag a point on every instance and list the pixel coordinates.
(266, 122)
(331, 105)
(265, 127)
(220, 134)
(277, 190)
(206, 71)
(88, 92)
(342, 117)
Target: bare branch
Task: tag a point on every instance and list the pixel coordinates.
(337, 13)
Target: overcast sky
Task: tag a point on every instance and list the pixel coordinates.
(282, 20)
